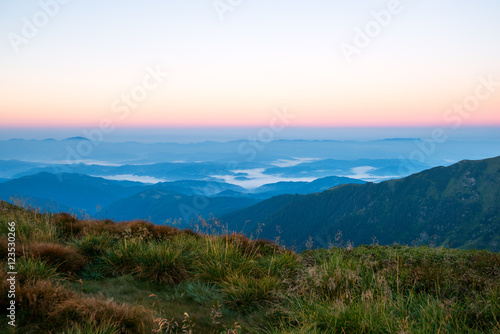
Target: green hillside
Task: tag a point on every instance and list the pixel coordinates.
(101, 277)
(456, 206)
(160, 206)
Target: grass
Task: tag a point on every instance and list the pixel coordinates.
(83, 276)
(32, 269)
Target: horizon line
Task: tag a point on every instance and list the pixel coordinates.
(126, 127)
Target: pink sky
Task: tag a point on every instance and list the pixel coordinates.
(236, 72)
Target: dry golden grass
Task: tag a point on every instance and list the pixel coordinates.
(66, 259)
(134, 277)
(58, 308)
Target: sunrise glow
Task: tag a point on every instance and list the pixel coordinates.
(90, 62)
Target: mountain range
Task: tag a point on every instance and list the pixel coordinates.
(69, 151)
(77, 192)
(456, 206)
(160, 202)
(319, 192)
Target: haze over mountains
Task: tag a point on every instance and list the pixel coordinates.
(458, 206)
(302, 188)
(126, 200)
(248, 163)
(79, 149)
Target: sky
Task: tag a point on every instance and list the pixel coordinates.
(228, 63)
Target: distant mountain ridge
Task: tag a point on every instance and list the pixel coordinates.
(288, 187)
(126, 200)
(76, 191)
(458, 205)
(240, 151)
(161, 206)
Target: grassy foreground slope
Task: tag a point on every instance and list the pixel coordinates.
(103, 277)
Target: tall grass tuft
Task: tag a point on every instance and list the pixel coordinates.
(101, 312)
(52, 307)
(91, 328)
(284, 265)
(219, 259)
(162, 262)
(68, 225)
(94, 245)
(121, 259)
(246, 294)
(65, 259)
(31, 269)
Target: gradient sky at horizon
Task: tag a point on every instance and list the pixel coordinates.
(235, 72)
